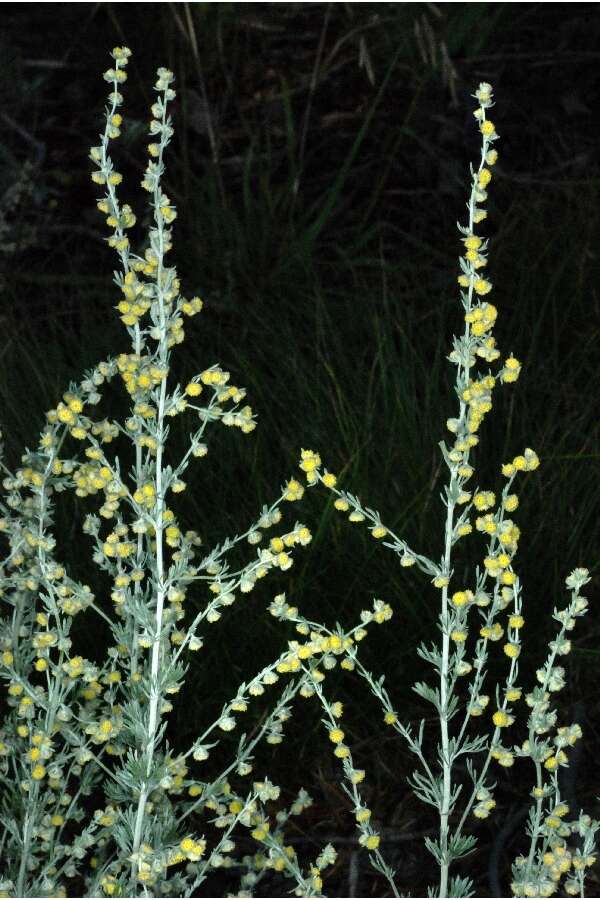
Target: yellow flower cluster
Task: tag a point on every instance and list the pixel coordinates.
(69, 412)
(502, 719)
(116, 545)
(485, 804)
(74, 667)
(300, 535)
(309, 463)
(146, 495)
(293, 490)
(137, 296)
(479, 705)
(527, 462)
(462, 598)
(105, 729)
(319, 643)
(503, 756)
(484, 500)
(140, 374)
(193, 849)
(482, 318)
(89, 478)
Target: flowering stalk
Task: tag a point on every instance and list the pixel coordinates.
(496, 587)
(537, 873)
(75, 729)
(158, 245)
(474, 402)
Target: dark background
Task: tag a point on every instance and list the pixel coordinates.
(319, 167)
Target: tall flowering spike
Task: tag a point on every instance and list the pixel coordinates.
(477, 342)
(463, 653)
(477, 345)
(65, 712)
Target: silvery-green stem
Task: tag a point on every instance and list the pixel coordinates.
(32, 798)
(155, 695)
(446, 763)
(25, 849)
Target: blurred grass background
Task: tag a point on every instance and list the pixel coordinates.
(319, 166)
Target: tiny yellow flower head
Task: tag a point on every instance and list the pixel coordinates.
(553, 762)
(512, 650)
(356, 516)
(459, 635)
(121, 55)
(293, 490)
(487, 128)
(481, 286)
(309, 460)
(309, 463)
(502, 719)
(191, 307)
(484, 500)
(379, 531)
(532, 460)
(336, 735)
(484, 93)
(370, 841)
(460, 598)
(193, 849)
(511, 371)
(329, 480)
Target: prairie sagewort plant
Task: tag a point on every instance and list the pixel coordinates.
(475, 617)
(94, 798)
